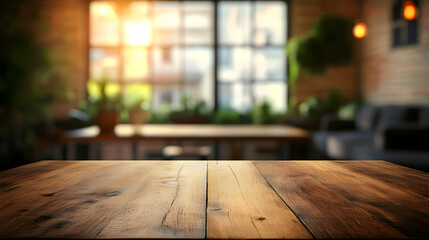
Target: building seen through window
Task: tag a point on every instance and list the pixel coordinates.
(403, 32)
(167, 49)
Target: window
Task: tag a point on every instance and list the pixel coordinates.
(404, 32)
(168, 48)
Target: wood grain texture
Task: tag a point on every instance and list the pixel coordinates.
(167, 199)
(393, 174)
(170, 202)
(241, 204)
(113, 199)
(334, 201)
(24, 194)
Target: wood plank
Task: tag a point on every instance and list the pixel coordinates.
(27, 193)
(327, 201)
(241, 204)
(390, 173)
(170, 203)
(398, 207)
(10, 178)
(86, 209)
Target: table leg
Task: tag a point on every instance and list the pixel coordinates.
(216, 150)
(284, 149)
(299, 151)
(98, 150)
(71, 148)
(134, 150)
(92, 150)
(57, 152)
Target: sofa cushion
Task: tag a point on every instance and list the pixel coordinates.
(424, 117)
(341, 145)
(391, 116)
(367, 118)
(319, 140)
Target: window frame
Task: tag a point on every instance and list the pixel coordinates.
(215, 46)
(403, 25)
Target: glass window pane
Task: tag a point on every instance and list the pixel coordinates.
(168, 64)
(136, 66)
(199, 73)
(235, 96)
(267, 33)
(166, 22)
(104, 62)
(234, 64)
(166, 37)
(198, 37)
(198, 6)
(137, 30)
(198, 22)
(270, 64)
(166, 15)
(166, 95)
(273, 92)
(104, 24)
(234, 22)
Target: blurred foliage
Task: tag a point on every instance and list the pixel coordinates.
(292, 54)
(161, 115)
(260, 113)
(333, 33)
(191, 106)
(308, 113)
(330, 43)
(137, 96)
(228, 116)
(349, 110)
(29, 81)
(316, 106)
(103, 95)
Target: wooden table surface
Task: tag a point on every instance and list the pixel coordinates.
(214, 199)
(191, 132)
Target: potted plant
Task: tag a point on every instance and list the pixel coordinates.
(192, 111)
(138, 111)
(104, 104)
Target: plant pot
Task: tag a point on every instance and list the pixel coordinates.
(107, 120)
(138, 116)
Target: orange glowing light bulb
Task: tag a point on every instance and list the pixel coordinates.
(359, 30)
(410, 11)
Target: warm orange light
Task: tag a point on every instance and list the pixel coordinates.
(410, 11)
(104, 10)
(359, 30)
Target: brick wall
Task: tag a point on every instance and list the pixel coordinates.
(65, 37)
(394, 75)
(303, 15)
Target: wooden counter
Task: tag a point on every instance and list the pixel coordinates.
(214, 199)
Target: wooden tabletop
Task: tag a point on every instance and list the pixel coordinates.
(214, 199)
(190, 132)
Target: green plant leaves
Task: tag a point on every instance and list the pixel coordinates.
(330, 43)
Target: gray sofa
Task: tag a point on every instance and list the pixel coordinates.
(398, 134)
